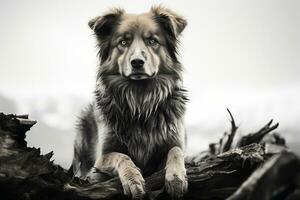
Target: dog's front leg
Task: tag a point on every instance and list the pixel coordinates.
(176, 180)
(131, 178)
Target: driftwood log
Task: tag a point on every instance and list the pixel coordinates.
(257, 166)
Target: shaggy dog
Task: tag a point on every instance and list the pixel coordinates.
(135, 125)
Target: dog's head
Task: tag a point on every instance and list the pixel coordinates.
(138, 46)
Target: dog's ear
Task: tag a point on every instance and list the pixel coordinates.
(169, 20)
(172, 25)
(103, 26)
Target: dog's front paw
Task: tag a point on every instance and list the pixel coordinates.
(176, 183)
(133, 183)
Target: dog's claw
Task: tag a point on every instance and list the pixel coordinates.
(133, 184)
(135, 190)
(176, 184)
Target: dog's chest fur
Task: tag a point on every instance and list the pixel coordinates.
(143, 125)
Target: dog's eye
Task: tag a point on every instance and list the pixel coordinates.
(152, 42)
(123, 43)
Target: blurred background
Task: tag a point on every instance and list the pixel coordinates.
(238, 54)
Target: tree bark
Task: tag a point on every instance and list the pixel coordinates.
(258, 167)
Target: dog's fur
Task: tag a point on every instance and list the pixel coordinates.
(135, 125)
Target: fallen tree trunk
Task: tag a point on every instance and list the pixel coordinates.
(258, 167)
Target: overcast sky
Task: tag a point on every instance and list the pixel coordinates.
(238, 54)
(48, 45)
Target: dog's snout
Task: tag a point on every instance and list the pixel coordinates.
(137, 63)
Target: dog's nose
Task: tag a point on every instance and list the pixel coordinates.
(137, 63)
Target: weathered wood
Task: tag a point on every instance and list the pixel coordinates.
(257, 136)
(275, 179)
(26, 174)
(228, 144)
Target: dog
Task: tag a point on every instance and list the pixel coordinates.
(135, 125)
